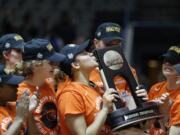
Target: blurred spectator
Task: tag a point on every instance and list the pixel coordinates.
(65, 28)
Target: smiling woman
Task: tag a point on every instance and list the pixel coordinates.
(158, 91)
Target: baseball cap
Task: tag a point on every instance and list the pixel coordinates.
(70, 51)
(40, 49)
(108, 31)
(172, 55)
(11, 41)
(10, 78)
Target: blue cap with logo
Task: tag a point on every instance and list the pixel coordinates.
(70, 51)
(11, 41)
(172, 55)
(109, 31)
(40, 49)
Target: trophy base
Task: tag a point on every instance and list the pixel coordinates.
(124, 117)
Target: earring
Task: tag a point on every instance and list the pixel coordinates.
(178, 82)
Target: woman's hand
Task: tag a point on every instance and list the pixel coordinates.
(109, 96)
(34, 101)
(164, 98)
(141, 92)
(22, 106)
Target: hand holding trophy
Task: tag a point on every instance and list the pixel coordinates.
(111, 64)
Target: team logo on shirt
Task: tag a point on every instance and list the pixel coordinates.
(48, 111)
(49, 115)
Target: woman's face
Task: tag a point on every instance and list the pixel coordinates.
(14, 56)
(86, 61)
(44, 70)
(168, 70)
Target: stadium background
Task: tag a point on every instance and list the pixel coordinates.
(149, 26)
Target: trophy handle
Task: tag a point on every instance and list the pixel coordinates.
(106, 86)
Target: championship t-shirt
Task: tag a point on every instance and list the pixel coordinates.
(76, 98)
(45, 114)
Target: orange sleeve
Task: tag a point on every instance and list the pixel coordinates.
(151, 93)
(175, 113)
(1, 124)
(72, 103)
(5, 122)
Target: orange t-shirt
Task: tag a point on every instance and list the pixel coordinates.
(62, 85)
(7, 115)
(159, 88)
(174, 118)
(77, 98)
(156, 91)
(45, 114)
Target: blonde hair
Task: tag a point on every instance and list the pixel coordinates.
(29, 65)
(18, 70)
(59, 74)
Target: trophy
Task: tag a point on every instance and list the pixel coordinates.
(112, 62)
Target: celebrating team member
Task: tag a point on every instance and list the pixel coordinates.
(175, 109)
(158, 91)
(109, 34)
(79, 102)
(13, 116)
(40, 62)
(12, 47)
